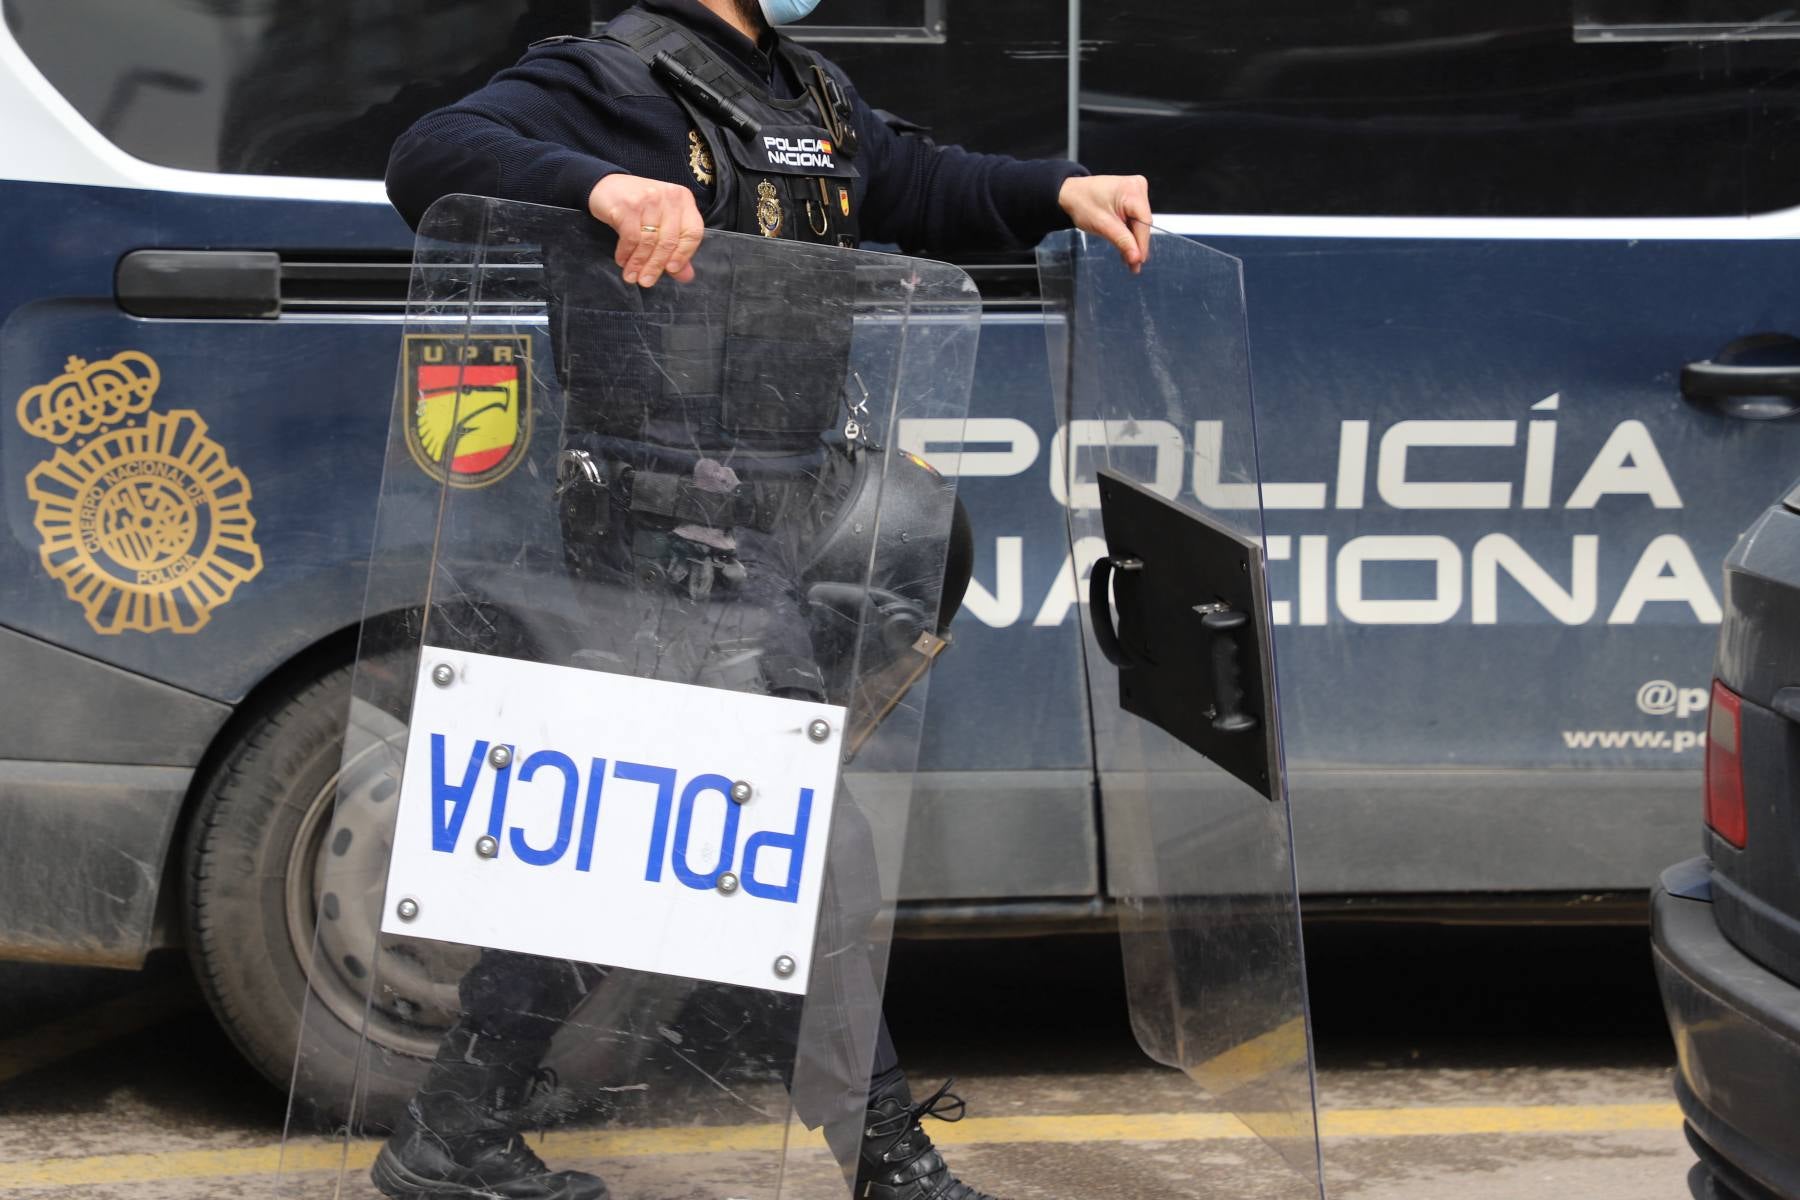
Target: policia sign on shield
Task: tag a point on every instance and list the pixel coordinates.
(610, 816)
(635, 718)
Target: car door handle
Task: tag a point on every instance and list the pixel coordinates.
(204, 284)
(1749, 391)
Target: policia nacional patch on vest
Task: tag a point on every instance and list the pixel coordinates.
(780, 166)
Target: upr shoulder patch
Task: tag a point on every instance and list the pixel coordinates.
(468, 405)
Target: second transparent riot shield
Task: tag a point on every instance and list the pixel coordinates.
(1160, 478)
(609, 870)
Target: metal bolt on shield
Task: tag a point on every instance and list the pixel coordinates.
(727, 884)
(784, 967)
(487, 847)
(741, 792)
(443, 675)
(500, 756)
(819, 730)
(407, 909)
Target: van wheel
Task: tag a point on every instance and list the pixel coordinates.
(286, 869)
(282, 923)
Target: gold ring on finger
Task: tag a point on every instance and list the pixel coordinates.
(647, 228)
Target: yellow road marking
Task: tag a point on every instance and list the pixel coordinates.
(310, 1156)
(91, 1027)
(1280, 1049)
(1538, 1118)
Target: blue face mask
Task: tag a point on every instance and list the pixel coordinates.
(786, 12)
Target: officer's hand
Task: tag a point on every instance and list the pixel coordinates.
(1115, 207)
(658, 224)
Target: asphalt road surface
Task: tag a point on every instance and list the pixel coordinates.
(1467, 1063)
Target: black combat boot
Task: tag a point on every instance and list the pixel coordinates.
(898, 1161)
(460, 1137)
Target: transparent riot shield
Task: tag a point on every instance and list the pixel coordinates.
(610, 874)
(1160, 479)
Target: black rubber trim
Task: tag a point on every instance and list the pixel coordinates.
(1739, 1025)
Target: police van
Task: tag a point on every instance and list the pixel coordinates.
(1523, 359)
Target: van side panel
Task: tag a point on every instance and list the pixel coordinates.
(85, 845)
(60, 707)
(281, 425)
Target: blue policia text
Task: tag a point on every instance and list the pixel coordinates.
(582, 796)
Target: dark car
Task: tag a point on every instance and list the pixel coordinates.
(1726, 927)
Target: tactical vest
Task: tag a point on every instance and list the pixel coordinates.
(752, 373)
(783, 168)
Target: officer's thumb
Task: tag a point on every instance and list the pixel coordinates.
(1117, 232)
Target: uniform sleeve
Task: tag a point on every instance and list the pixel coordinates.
(537, 133)
(932, 199)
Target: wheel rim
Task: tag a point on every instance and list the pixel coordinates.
(401, 992)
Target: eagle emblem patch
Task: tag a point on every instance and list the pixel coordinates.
(468, 406)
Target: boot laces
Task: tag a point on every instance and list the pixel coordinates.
(544, 1082)
(899, 1128)
(943, 1104)
(520, 1159)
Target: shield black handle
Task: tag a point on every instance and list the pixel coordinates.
(1100, 608)
(1227, 675)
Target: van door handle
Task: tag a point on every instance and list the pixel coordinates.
(1749, 391)
(215, 284)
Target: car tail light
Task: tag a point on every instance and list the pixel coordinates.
(1725, 767)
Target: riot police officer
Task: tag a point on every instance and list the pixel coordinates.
(679, 116)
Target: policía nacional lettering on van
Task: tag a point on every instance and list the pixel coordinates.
(142, 516)
(1405, 466)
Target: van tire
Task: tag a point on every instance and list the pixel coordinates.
(250, 808)
(279, 785)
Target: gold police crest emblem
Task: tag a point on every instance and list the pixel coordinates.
(143, 520)
(768, 209)
(700, 160)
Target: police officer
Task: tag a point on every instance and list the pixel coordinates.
(679, 116)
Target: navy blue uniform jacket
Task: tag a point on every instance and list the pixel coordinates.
(546, 130)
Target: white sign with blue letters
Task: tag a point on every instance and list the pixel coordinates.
(608, 802)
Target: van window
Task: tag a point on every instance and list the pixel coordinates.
(1435, 107)
(997, 80)
(875, 21)
(992, 75)
(274, 87)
